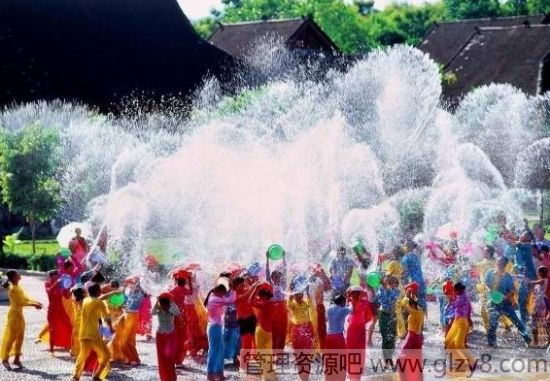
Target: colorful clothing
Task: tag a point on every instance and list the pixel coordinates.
(387, 298)
(247, 327)
(14, 330)
(412, 272)
(411, 351)
(280, 325)
(455, 340)
(301, 333)
(214, 365)
(75, 342)
(336, 318)
(540, 311)
(166, 342)
(178, 294)
(340, 269)
(127, 332)
(524, 258)
(504, 283)
(93, 311)
(231, 333)
(59, 323)
(356, 336)
(215, 308)
(145, 324)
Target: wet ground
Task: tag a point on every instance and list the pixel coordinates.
(507, 362)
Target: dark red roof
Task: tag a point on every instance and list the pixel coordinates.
(444, 40)
(97, 51)
(237, 39)
(513, 55)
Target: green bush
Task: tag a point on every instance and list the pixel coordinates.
(37, 262)
(13, 261)
(41, 262)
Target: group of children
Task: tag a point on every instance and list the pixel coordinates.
(248, 319)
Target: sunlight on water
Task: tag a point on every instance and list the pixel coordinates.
(300, 162)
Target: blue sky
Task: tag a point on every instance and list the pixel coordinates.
(196, 9)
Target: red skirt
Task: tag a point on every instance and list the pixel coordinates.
(195, 338)
(166, 351)
(303, 339)
(60, 326)
(179, 332)
(410, 358)
(302, 336)
(280, 324)
(145, 324)
(334, 366)
(356, 344)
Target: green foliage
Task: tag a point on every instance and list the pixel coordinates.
(449, 78)
(472, 9)
(12, 240)
(515, 7)
(413, 21)
(236, 103)
(37, 262)
(14, 261)
(41, 262)
(205, 27)
(538, 7)
(42, 247)
(29, 159)
(354, 27)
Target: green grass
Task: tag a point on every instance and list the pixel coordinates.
(166, 250)
(47, 247)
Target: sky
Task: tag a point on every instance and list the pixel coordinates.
(196, 9)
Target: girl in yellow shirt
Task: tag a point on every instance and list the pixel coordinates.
(78, 296)
(410, 358)
(14, 329)
(301, 333)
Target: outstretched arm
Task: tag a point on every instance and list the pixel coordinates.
(267, 270)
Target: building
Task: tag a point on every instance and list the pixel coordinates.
(99, 51)
(514, 50)
(297, 34)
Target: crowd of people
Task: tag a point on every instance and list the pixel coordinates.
(258, 311)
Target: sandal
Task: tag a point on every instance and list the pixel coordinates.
(18, 364)
(6, 364)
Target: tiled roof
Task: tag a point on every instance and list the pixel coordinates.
(444, 40)
(500, 55)
(238, 39)
(96, 51)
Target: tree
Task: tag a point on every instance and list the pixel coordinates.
(342, 23)
(413, 21)
(472, 9)
(538, 7)
(365, 6)
(515, 8)
(29, 159)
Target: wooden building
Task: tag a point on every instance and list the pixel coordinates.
(297, 34)
(99, 51)
(514, 50)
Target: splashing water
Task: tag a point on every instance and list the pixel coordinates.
(367, 154)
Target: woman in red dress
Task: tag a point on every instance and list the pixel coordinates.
(59, 323)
